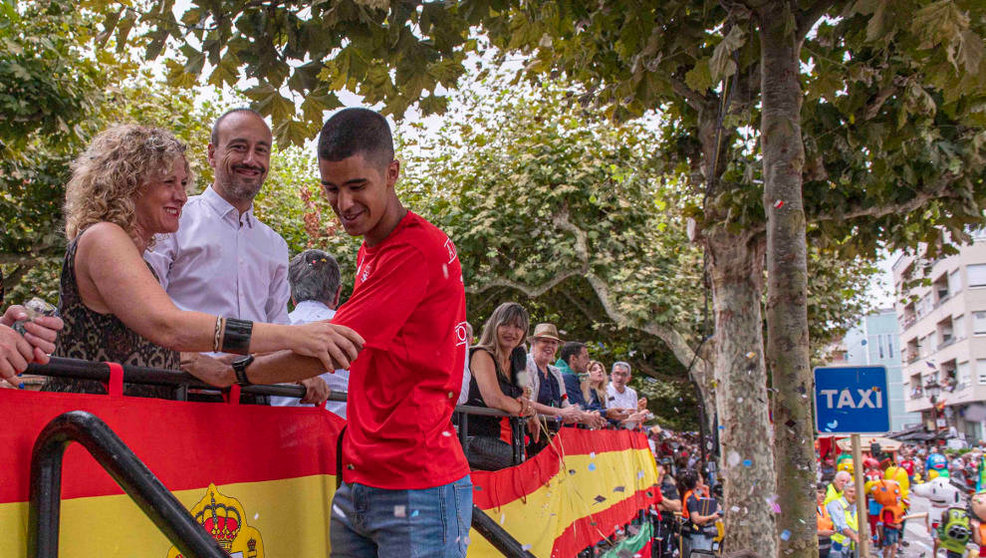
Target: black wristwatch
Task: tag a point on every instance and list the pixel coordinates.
(239, 368)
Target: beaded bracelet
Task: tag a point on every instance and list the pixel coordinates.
(218, 336)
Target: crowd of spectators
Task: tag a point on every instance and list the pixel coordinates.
(154, 278)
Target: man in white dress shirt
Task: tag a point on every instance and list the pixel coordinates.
(315, 290)
(622, 396)
(223, 260)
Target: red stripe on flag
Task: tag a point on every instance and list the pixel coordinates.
(186, 445)
(589, 530)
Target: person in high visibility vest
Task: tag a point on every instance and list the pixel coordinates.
(825, 526)
(846, 523)
(834, 490)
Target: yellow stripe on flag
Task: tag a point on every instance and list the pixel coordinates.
(551, 509)
(291, 516)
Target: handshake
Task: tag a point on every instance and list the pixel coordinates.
(27, 334)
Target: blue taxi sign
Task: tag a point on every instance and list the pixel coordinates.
(852, 400)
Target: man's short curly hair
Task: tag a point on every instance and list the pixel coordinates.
(111, 174)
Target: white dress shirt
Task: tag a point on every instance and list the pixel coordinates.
(625, 400)
(220, 262)
(305, 312)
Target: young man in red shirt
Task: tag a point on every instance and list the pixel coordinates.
(406, 489)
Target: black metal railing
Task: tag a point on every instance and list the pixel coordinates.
(127, 470)
(139, 482)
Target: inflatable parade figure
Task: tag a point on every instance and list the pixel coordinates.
(977, 507)
(871, 469)
(844, 464)
(936, 466)
(941, 495)
(954, 532)
(886, 494)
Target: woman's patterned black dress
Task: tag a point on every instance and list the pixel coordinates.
(98, 337)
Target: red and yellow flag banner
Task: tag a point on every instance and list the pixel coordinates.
(261, 480)
(581, 489)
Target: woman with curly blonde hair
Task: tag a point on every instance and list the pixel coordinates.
(126, 187)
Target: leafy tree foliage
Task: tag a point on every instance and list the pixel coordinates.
(867, 115)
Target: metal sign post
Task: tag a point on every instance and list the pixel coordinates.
(853, 400)
(863, 526)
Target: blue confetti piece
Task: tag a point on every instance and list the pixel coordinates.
(747, 463)
(785, 535)
(414, 513)
(592, 466)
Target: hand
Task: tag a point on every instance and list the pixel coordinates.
(617, 413)
(335, 345)
(316, 390)
(39, 332)
(570, 414)
(632, 418)
(534, 428)
(595, 420)
(15, 354)
(212, 371)
(526, 407)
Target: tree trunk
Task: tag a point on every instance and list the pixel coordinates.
(787, 279)
(736, 267)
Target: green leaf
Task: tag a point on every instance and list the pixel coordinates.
(879, 23)
(721, 65)
(291, 132)
(699, 78)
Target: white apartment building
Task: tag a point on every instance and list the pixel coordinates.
(875, 341)
(943, 339)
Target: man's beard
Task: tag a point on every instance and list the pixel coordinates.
(241, 189)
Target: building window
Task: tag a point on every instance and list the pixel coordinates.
(954, 282)
(979, 323)
(879, 342)
(981, 370)
(958, 327)
(977, 275)
(890, 346)
(964, 375)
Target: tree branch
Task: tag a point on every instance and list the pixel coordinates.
(940, 191)
(672, 338)
(873, 107)
(806, 18)
(694, 99)
(530, 291)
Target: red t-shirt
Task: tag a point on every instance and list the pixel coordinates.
(409, 305)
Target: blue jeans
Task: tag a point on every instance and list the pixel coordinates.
(431, 522)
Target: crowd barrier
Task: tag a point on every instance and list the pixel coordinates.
(262, 478)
